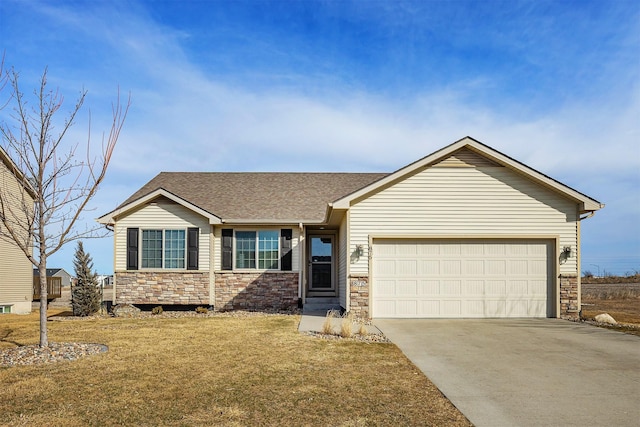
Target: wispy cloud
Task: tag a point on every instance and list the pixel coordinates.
(191, 112)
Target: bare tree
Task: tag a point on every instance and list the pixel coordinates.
(42, 216)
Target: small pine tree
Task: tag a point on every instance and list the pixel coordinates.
(85, 294)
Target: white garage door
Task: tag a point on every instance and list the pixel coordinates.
(462, 278)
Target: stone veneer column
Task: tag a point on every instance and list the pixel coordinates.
(569, 297)
(180, 287)
(359, 296)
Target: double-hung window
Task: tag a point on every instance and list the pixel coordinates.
(163, 249)
(257, 249)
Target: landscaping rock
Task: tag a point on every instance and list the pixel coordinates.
(126, 310)
(605, 318)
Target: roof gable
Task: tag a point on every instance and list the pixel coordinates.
(255, 197)
(469, 152)
(278, 198)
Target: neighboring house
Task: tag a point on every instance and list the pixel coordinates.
(105, 280)
(16, 292)
(65, 278)
(464, 232)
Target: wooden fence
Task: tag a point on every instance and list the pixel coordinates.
(54, 287)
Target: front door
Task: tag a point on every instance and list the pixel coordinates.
(321, 266)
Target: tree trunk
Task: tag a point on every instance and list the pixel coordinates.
(44, 339)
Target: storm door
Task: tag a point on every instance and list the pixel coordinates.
(321, 264)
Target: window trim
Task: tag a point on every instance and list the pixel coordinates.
(256, 231)
(163, 230)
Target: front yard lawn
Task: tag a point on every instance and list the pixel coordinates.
(214, 371)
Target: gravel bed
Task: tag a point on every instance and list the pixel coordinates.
(174, 315)
(56, 352)
(369, 338)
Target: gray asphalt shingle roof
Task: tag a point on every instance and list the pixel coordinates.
(259, 195)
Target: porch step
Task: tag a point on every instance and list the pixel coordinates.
(321, 304)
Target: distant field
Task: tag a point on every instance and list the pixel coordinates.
(620, 300)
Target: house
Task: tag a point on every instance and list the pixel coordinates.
(16, 196)
(464, 232)
(65, 278)
(57, 278)
(105, 280)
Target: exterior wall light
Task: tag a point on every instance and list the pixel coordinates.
(359, 250)
(566, 251)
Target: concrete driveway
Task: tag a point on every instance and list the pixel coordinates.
(517, 372)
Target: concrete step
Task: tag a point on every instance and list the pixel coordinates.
(321, 304)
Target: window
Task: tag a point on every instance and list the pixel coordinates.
(174, 248)
(257, 249)
(174, 244)
(5, 309)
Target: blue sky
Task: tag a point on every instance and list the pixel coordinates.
(362, 86)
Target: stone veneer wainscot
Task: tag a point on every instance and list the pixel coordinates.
(256, 290)
(141, 287)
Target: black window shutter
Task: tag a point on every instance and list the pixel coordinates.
(285, 249)
(193, 237)
(132, 248)
(227, 249)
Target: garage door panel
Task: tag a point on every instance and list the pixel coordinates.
(428, 267)
(383, 268)
(451, 287)
(429, 308)
(518, 267)
(496, 267)
(518, 287)
(406, 268)
(494, 250)
(385, 288)
(495, 288)
(473, 287)
(451, 308)
(407, 288)
(407, 307)
(465, 278)
(537, 267)
(473, 266)
(451, 267)
(472, 249)
(429, 288)
(537, 287)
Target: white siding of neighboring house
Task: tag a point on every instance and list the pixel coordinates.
(343, 261)
(162, 214)
(16, 271)
(295, 238)
(464, 202)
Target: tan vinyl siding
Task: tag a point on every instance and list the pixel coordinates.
(16, 272)
(464, 202)
(162, 215)
(343, 261)
(465, 158)
(295, 237)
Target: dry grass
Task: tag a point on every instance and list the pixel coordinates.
(346, 326)
(214, 371)
(621, 301)
(327, 326)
